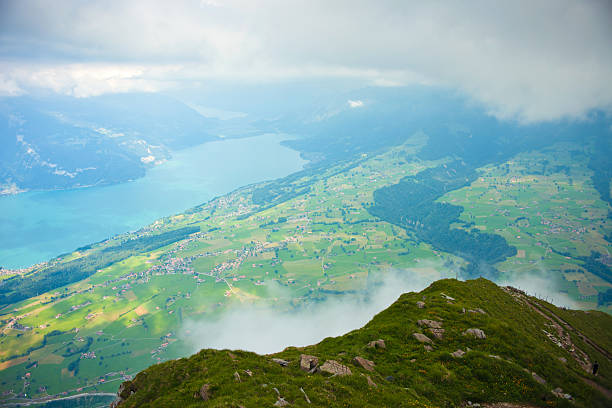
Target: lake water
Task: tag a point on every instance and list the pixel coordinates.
(37, 226)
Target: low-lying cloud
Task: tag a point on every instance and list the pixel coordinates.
(543, 285)
(269, 328)
(266, 329)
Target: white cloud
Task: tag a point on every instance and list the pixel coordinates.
(84, 80)
(9, 87)
(524, 59)
(241, 327)
(355, 104)
(544, 285)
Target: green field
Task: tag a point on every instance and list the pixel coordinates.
(320, 242)
(544, 204)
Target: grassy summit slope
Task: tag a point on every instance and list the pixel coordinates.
(525, 358)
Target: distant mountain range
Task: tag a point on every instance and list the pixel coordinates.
(62, 142)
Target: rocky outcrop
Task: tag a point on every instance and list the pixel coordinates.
(421, 337)
(420, 304)
(308, 363)
(363, 363)
(538, 379)
(280, 402)
(433, 324)
(477, 333)
(437, 333)
(205, 392)
(558, 392)
(458, 354)
(434, 327)
(369, 380)
(335, 368)
(377, 344)
(281, 362)
(126, 389)
(445, 296)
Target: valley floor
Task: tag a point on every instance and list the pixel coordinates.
(317, 243)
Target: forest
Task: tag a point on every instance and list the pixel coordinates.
(411, 204)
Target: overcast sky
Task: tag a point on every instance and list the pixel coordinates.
(530, 60)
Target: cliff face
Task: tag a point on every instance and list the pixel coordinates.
(453, 344)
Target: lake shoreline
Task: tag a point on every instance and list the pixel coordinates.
(42, 221)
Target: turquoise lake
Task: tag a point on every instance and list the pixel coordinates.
(37, 226)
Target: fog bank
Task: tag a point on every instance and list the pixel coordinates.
(268, 329)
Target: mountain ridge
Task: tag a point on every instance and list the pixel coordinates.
(451, 343)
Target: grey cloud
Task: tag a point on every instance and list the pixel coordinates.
(529, 60)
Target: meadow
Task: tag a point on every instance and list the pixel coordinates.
(544, 204)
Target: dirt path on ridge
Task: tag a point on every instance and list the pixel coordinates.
(564, 339)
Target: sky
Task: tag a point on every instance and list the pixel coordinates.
(534, 60)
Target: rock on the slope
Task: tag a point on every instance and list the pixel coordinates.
(437, 333)
(445, 296)
(369, 380)
(125, 390)
(362, 362)
(205, 392)
(281, 402)
(558, 392)
(421, 337)
(477, 311)
(430, 323)
(538, 378)
(458, 354)
(305, 395)
(420, 304)
(335, 368)
(237, 376)
(279, 361)
(477, 333)
(308, 363)
(380, 343)
(427, 347)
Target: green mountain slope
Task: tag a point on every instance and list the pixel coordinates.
(532, 353)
